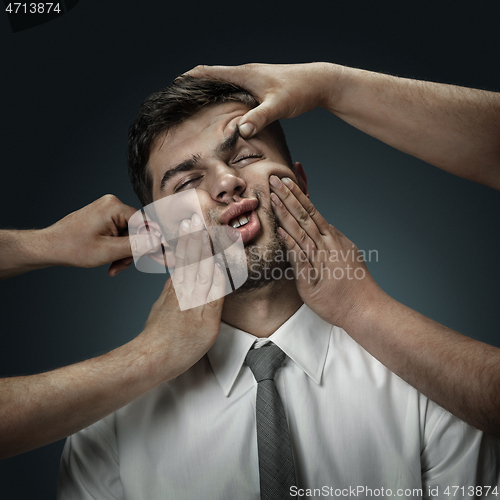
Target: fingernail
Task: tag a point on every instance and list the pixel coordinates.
(196, 219)
(287, 181)
(274, 181)
(185, 224)
(275, 200)
(247, 129)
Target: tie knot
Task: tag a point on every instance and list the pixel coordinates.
(265, 361)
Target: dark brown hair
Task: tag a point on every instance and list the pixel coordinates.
(169, 107)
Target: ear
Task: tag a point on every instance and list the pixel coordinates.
(298, 170)
(165, 255)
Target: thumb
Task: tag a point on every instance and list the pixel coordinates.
(258, 118)
(233, 74)
(141, 244)
(124, 249)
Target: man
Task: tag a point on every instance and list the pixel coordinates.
(353, 425)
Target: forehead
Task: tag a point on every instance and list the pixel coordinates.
(194, 135)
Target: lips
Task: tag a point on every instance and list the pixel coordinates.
(242, 219)
(237, 209)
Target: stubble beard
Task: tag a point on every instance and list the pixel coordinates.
(266, 263)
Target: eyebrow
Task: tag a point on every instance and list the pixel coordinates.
(224, 147)
(229, 143)
(185, 166)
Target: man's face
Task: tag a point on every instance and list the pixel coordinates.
(230, 174)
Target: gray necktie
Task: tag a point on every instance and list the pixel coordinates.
(276, 467)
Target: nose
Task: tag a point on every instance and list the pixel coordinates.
(228, 185)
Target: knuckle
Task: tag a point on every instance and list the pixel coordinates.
(312, 211)
(201, 278)
(286, 193)
(109, 198)
(265, 112)
(303, 237)
(191, 268)
(303, 216)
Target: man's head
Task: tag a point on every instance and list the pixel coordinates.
(166, 109)
(186, 136)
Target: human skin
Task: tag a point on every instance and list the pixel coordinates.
(224, 179)
(90, 237)
(39, 409)
(459, 373)
(454, 128)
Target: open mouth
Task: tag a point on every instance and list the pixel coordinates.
(241, 220)
(246, 225)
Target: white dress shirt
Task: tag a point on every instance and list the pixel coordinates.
(353, 424)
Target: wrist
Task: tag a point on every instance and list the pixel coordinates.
(142, 363)
(152, 355)
(342, 86)
(46, 249)
(363, 311)
(334, 80)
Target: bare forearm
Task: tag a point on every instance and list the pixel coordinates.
(460, 374)
(454, 128)
(39, 409)
(23, 251)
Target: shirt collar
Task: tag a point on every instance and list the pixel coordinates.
(304, 338)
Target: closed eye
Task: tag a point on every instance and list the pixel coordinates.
(187, 183)
(247, 156)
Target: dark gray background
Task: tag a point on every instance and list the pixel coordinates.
(70, 88)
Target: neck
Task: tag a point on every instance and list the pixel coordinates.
(261, 312)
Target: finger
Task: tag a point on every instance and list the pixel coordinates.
(141, 244)
(122, 214)
(119, 265)
(217, 291)
(180, 251)
(193, 252)
(291, 226)
(230, 73)
(300, 206)
(303, 269)
(258, 118)
(204, 277)
(117, 211)
(294, 218)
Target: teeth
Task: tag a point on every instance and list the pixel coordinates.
(240, 222)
